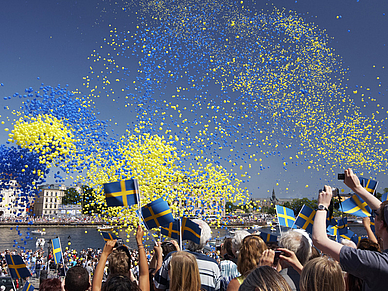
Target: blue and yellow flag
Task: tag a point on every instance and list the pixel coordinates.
(109, 236)
(384, 197)
(356, 206)
(286, 216)
(121, 193)
(356, 239)
(347, 235)
(157, 213)
(267, 237)
(305, 218)
(57, 250)
(342, 225)
(28, 287)
(17, 267)
(368, 184)
(190, 230)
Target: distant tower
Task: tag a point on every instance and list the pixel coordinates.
(273, 198)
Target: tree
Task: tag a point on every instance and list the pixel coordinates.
(268, 210)
(72, 196)
(298, 203)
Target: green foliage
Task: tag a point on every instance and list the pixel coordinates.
(71, 197)
(90, 205)
(297, 204)
(268, 210)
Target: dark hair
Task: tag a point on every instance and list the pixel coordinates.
(119, 261)
(168, 247)
(227, 245)
(265, 278)
(120, 283)
(77, 279)
(382, 215)
(50, 285)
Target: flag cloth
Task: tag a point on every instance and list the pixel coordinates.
(17, 267)
(157, 213)
(356, 206)
(57, 250)
(121, 193)
(190, 230)
(372, 224)
(347, 235)
(286, 216)
(108, 236)
(356, 239)
(305, 218)
(342, 225)
(28, 287)
(384, 197)
(267, 237)
(330, 220)
(368, 184)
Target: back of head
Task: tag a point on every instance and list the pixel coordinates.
(265, 278)
(120, 283)
(227, 246)
(298, 243)
(348, 243)
(367, 244)
(77, 279)
(184, 272)
(119, 261)
(320, 274)
(50, 285)
(239, 235)
(206, 235)
(167, 248)
(251, 250)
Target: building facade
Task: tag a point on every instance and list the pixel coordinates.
(48, 200)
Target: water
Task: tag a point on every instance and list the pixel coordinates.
(88, 237)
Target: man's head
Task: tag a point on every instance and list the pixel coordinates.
(77, 279)
(239, 235)
(206, 235)
(295, 241)
(382, 219)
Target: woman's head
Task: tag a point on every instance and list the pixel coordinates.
(252, 248)
(167, 247)
(119, 261)
(265, 278)
(184, 273)
(226, 248)
(51, 285)
(322, 273)
(120, 283)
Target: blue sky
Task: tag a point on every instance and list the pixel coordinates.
(58, 42)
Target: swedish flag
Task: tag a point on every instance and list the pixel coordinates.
(28, 287)
(57, 250)
(356, 206)
(267, 237)
(122, 193)
(356, 239)
(190, 230)
(305, 218)
(157, 213)
(384, 197)
(172, 230)
(342, 226)
(347, 235)
(108, 236)
(368, 184)
(17, 267)
(286, 216)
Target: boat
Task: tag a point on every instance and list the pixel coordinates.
(38, 231)
(105, 227)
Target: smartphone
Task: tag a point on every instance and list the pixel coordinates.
(341, 176)
(278, 253)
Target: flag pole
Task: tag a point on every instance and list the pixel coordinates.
(277, 215)
(63, 259)
(180, 232)
(140, 215)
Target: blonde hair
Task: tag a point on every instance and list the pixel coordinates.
(252, 248)
(184, 272)
(322, 273)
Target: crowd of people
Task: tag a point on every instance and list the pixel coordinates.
(244, 262)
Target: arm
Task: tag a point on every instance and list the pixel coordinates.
(371, 235)
(157, 259)
(99, 272)
(233, 285)
(144, 280)
(320, 239)
(352, 181)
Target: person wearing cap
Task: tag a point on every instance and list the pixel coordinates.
(372, 267)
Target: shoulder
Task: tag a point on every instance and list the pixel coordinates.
(234, 284)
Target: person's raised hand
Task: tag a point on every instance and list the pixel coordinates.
(324, 197)
(351, 180)
(109, 246)
(139, 235)
(267, 258)
(291, 259)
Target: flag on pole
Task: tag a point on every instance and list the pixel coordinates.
(342, 225)
(384, 197)
(368, 184)
(190, 230)
(57, 250)
(121, 193)
(356, 206)
(17, 267)
(267, 237)
(157, 213)
(285, 215)
(28, 287)
(305, 218)
(347, 235)
(109, 236)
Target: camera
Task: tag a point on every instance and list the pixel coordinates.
(341, 176)
(278, 253)
(119, 243)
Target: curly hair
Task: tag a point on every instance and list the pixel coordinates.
(252, 248)
(119, 262)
